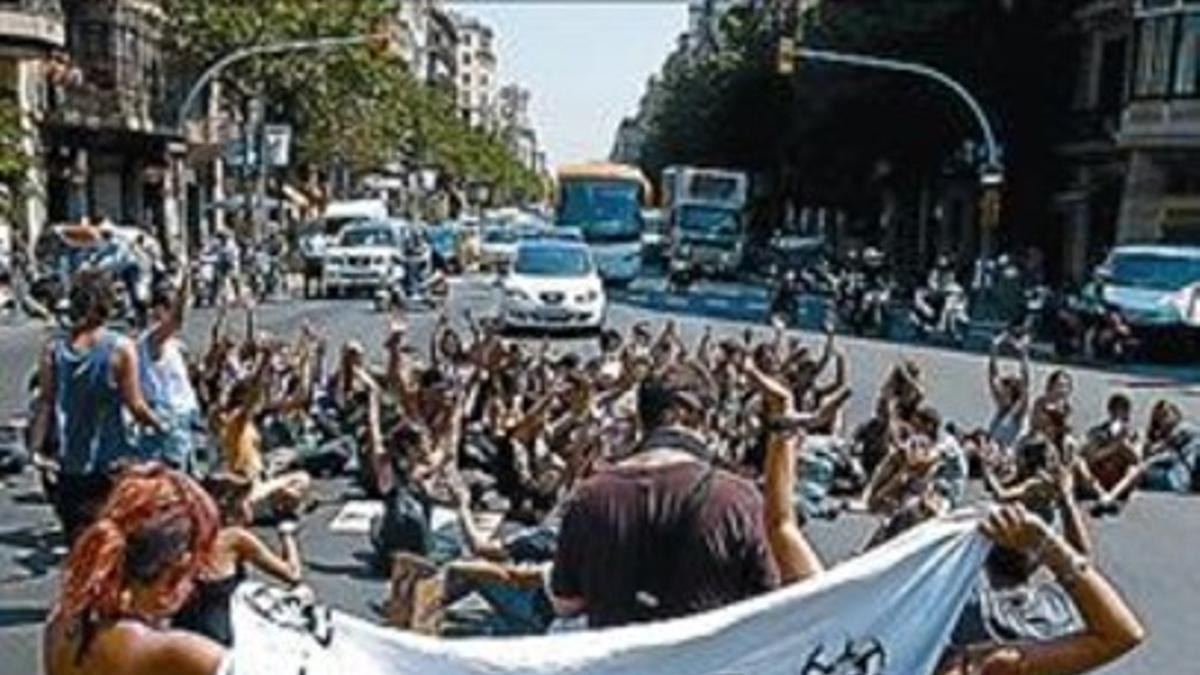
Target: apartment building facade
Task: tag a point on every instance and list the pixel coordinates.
(477, 72)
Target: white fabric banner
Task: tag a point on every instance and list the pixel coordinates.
(889, 611)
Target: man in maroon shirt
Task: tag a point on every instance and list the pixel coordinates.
(662, 534)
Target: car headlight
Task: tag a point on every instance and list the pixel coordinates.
(591, 296)
(516, 294)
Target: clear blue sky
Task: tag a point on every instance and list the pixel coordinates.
(586, 63)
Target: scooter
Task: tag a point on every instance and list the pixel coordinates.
(941, 313)
(785, 300)
(862, 307)
(429, 294)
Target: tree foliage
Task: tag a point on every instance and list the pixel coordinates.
(14, 160)
(821, 134)
(356, 105)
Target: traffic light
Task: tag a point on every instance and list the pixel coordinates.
(382, 40)
(787, 56)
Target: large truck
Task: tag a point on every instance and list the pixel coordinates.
(706, 220)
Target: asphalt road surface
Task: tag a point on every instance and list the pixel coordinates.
(1149, 550)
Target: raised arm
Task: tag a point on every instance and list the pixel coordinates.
(839, 376)
(479, 544)
(1110, 627)
(42, 425)
(284, 565)
(795, 557)
(163, 330)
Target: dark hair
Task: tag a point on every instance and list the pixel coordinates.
(1119, 401)
(927, 417)
(659, 395)
(162, 295)
(610, 340)
(91, 297)
(1163, 416)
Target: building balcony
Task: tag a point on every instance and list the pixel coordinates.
(1161, 124)
(120, 107)
(31, 26)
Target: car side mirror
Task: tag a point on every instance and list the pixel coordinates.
(1104, 275)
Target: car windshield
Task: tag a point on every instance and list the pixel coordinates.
(708, 220)
(500, 235)
(1152, 271)
(368, 236)
(604, 210)
(553, 261)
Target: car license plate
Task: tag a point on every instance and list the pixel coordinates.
(556, 314)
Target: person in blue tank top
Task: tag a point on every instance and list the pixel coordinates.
(88, 380)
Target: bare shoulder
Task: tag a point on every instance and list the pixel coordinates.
(138, 650)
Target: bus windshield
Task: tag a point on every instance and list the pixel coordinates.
(709, 221)
(603, 210)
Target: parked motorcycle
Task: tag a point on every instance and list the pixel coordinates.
(427, 294)
(266, 276)
(784, 305)
(862, 306)
(941, 313)
(1097, 333)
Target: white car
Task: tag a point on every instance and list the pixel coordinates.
(553, 285)
(366, 257)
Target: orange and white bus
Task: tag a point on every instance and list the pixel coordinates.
(604, 202)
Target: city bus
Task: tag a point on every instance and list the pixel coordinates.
(604, 203)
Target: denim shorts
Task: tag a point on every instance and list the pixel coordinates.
(173, 446)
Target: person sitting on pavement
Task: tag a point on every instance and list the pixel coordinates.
(88, 379)
(277, 493)
(1011, 395)
(1111, 452)
(128, 572)
(236, 548)
(1170, 459)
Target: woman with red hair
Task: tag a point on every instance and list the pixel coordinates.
(127, 574)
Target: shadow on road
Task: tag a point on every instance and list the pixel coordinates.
(362, 569)
(39, 551)
(16, 617)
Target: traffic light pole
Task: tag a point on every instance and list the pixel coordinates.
(992, 173)
(991, 177)
(238, 55)
(193, 96)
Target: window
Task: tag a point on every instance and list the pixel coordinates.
(466, 79)
(1187, 70)
(466, 58)
(1155, 46)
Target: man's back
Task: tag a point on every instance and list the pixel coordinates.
(641, 543)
